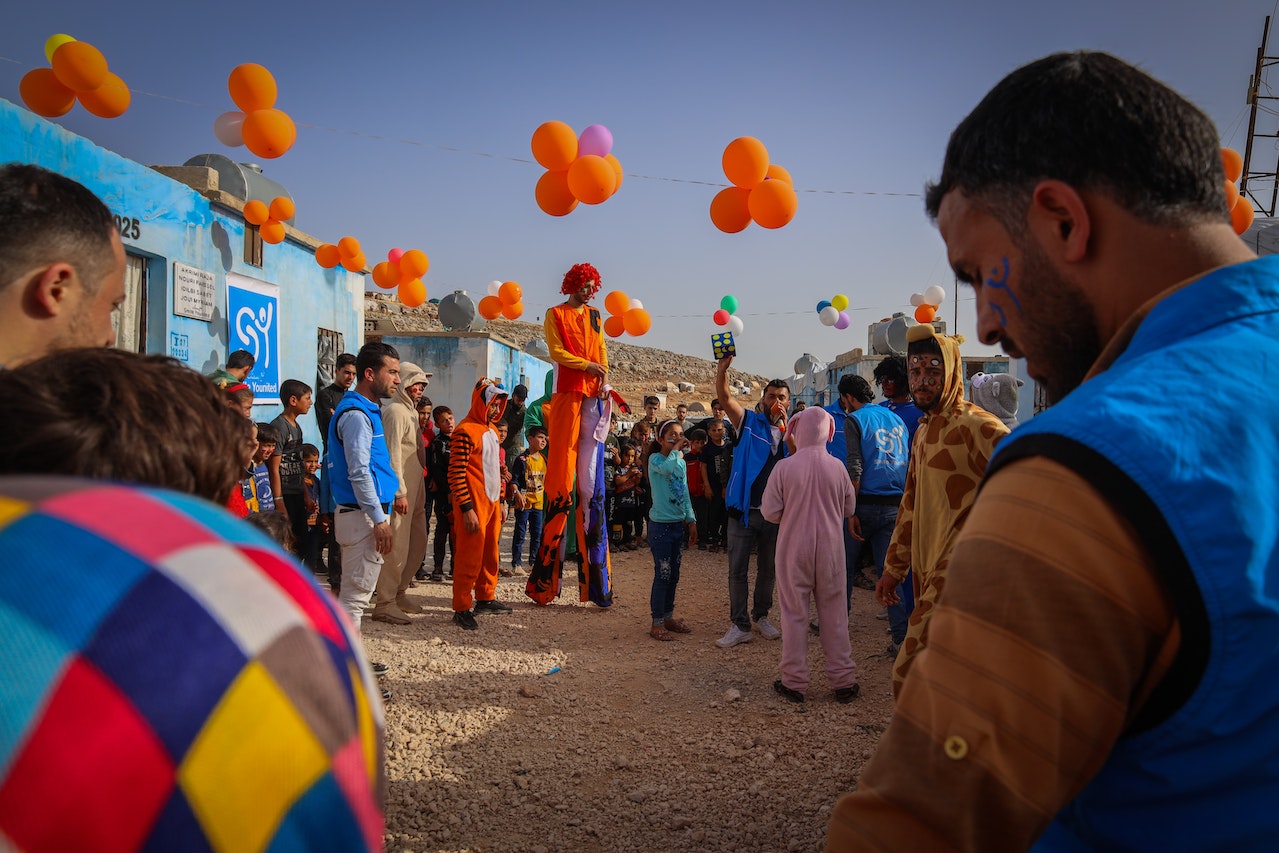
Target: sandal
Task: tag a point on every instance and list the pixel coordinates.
(678, 626)
(657, 632)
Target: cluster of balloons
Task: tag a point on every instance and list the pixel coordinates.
(762, 192)
(577, 168)
(79, 72)
(727, 315)
(626, 315)
(1241, 212)
(504, 299)
(402, 270)
(833, 312)
(270, 219)
(347, 252)
(926, 303)
(257, 125)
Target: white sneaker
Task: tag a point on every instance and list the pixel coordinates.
(734, 636)
(766, 629)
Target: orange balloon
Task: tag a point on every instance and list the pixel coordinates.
(745, 161)
(554, 145)
(1233, 163)
(490, 307)
(637, 321)
(268, 133)
(414, 263)
(1232, 194)
(926, 313)
(553, 195)
(44, 95)
(777, 173)
(282, 208)
(256, 212)
(617, 302)
(382, 278)
(513, 311)
(510, 293)
(614, 326)
(412, 292)
(730, 209)
(327, 255)
(272, 232)
(80, 66)
(591, 179)
(110, 100)
(1241, 215)
(617, 169)
(355, 264)
(349, 247)
(772, 204)
(252, 87)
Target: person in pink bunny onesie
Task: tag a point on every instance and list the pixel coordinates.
(810, 495)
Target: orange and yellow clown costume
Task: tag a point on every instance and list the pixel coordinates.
(475, 482)
(577, 423)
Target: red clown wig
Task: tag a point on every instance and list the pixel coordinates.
(581, 275)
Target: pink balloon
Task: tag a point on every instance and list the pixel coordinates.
(226, 128)
(721, 317)
(394, 255)
(596, 140)
(844, 321)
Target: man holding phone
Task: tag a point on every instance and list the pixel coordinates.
(758, 445)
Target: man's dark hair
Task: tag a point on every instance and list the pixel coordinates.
(240, 358)
(715, 403)
(309, 450)
(343, 360)
(46, 218)
(851, 383)
(291, 388)
(520, 393)
(893, 367)
(373, 355)
(439, 413)
(777, 383)
(927, 345)
(267, 434)
(698, 434)
(423, 402)
(534, 430)
(108, 414)
(1096, 123)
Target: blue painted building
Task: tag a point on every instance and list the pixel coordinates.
(200, 281)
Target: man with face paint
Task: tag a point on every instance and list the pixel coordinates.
(1102, 672)
(947, 461)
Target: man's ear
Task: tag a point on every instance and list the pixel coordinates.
(1059, 218)
(51, 288)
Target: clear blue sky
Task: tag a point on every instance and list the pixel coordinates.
(854, 99)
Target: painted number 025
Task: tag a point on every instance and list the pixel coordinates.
(130, 228)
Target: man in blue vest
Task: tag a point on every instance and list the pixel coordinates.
(1101, 672)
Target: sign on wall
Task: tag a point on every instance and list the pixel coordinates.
(253, 311)
(193, 292)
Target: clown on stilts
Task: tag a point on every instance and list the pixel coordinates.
(577, 424)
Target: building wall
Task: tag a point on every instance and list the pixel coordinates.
(163, 222)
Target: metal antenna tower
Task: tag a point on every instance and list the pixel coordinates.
(1256, 85)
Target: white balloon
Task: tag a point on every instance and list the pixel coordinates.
(935, 295)
(635, 303)
(494, 287)
(227, 128)
(829, 315)
(735, 324)
(917, 299)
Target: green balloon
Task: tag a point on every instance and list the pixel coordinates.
(729, 304)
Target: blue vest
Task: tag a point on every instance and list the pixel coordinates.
(1199, 767)
(379, 457)
(836, 446)
(750, 454)
(885, 451)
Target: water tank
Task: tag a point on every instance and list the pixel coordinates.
(242, 180)
(458, 314)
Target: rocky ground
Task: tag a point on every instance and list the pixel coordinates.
(567, 728)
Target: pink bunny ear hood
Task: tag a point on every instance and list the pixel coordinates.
(813, 427)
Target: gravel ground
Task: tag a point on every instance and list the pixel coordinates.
(631, 744)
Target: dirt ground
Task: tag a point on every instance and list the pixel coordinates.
(567, 728)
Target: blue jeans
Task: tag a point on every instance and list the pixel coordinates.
(666, 539)
(526, 521)
(878, 521)
(742, 534)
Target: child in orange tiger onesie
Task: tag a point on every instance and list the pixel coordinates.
(475, 483)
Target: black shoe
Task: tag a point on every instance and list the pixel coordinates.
(386, 695)
(420, 575)
(844, 695)
(465, 620)
(379, 669)
(437, 576)
(493, 606)
(790, 695)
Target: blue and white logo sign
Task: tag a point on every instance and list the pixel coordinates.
(253, 309)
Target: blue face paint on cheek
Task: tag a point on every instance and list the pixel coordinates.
(1002, 285)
